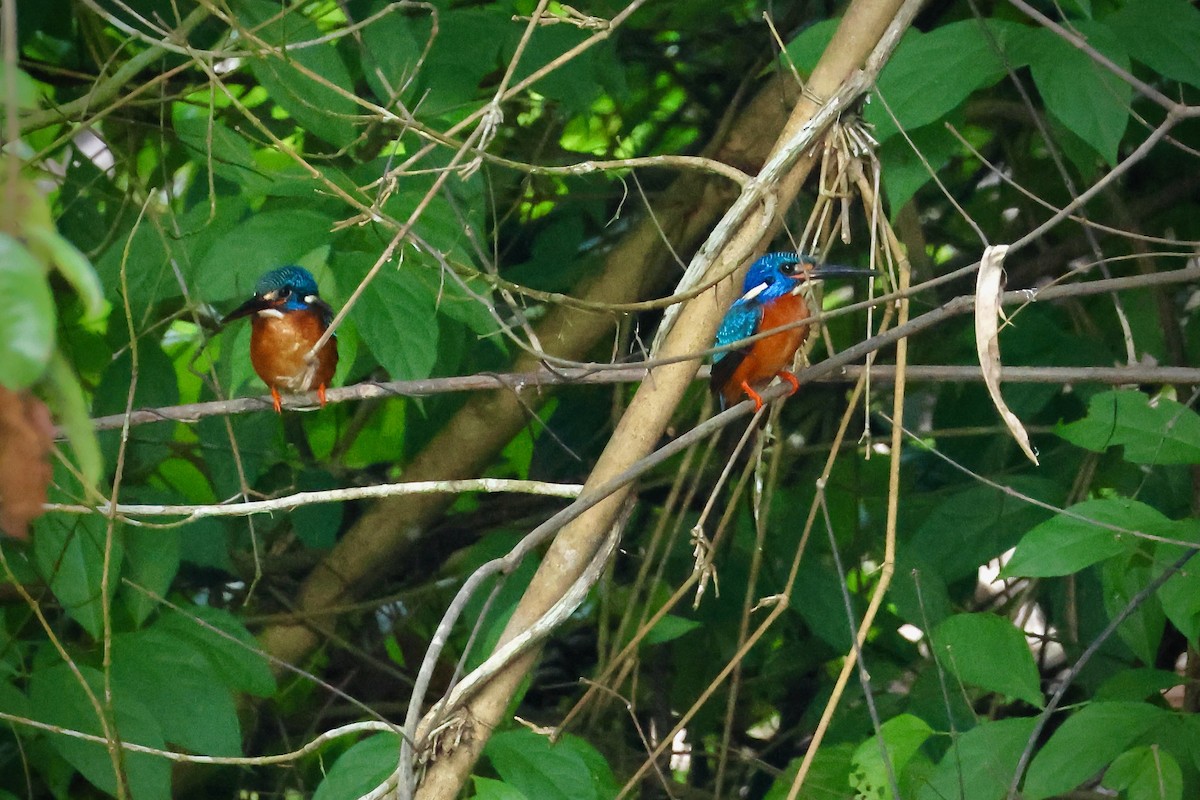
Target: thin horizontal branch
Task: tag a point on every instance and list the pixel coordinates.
(608, 373)
(293, 501)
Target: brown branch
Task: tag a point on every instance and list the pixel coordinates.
(544, 379)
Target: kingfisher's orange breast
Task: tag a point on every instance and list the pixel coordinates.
(773, 354)
(278, 342)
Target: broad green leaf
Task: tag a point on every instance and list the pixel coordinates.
(1084, 96)
(304, 81)
(1138, 684)
(827, 779)
(669, 628)
(805, 50)
(1145, 773)
(212, 145)
(223, 639)
(488, 789)
(1086, 743)
(361, 768)
(27, 324)
(177, 684)
(1078, 537)
(1162, 34)
(396, 316)
(988, 651)
(980, 764)
(58, 698)
(977, 524)
(904, 172)
(259, 243)
(1122, 578)
(65, 396)
(392, 52)
(69, 554)
(52, 248)
(151, 561)
(903, 735)
(1180, 595)
(931, 74)
(529, 762)
(1152, 431)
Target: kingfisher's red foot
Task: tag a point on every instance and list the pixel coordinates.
(792, 379)
(277, 400)
(321, 394)
(753, 395)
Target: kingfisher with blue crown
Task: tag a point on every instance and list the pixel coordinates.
(772, 298)
(289, 317)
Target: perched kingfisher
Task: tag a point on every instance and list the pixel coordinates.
(289, 318)
(771, 298)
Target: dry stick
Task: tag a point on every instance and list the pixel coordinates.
(646, 416)
(888, 566)
(290, 502)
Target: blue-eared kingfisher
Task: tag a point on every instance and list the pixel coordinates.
(289, 317)
(771, 298)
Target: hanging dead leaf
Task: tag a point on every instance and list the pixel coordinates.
(26, 436)
(988, 289)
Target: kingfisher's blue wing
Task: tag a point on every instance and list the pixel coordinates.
(742, 320)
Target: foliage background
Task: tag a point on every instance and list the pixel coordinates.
(160, 156)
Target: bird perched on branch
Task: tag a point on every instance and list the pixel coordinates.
(771, 298)
(289, 317)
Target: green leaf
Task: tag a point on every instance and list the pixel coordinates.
(1138, 684)
(988, 651)
(805, 50)
(65, 396)
(361, 768)
(27, 324)
(396, 316)
(1180, 595)
(669, 628)
(1152, 431)
(391, 52)
(827, 778)
(234, 654)
(1086, 743)
(992, 750)
(1088, 99)
(1145, 773)
(488, 789)
(903, 735)
(931, 74)
(68, 551)
(529, 762)
(1162, 34)
(151, 561)
(259, 243)
(58, 699)
(212, 145)
(52, 248)
(302, 81)
(904, 173)
(177, 684)
(1122, 577)
(1073, 540)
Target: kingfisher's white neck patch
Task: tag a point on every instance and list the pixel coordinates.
(271, 313)
(754, 292)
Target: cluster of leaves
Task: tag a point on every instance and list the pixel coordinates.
(312, 135)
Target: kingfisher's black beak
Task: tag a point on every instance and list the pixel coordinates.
(251, 306)
(837, 270)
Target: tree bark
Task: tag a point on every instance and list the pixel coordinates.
(655, 401)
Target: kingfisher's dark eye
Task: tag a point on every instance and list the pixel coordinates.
(285, 293)
(790, 268)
